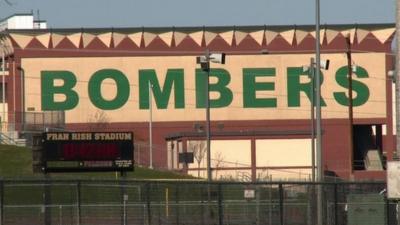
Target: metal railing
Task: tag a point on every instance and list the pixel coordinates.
(39, 121)
(6, 140)
(34, 121)
(190, 202)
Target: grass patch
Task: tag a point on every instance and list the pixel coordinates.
(16, 163)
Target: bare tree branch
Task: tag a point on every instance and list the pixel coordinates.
(199, 149)
(98, 120)
(8, 2)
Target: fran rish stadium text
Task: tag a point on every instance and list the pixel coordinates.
(86, 136)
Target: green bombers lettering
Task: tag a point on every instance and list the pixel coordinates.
(362, 91)
(226, 94)
(121, 82)
(49, 90)
(149, 77)
(250, 86)
(295, 87)
(175, 80)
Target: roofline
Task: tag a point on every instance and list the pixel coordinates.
(17, 14)
(243, 133)
(199, 28)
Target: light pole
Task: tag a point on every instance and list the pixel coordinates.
(151, 125)
(204, 61)
(311, 74)
(320, 172)
(311, 70)
(22, 86)
(397, 78)
(314, 73)
(3, 94)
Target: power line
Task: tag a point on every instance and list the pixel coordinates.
(259, 93)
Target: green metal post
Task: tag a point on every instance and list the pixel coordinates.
(78, 201)
(281, 219)
(177, 203)
(220, 207)
(1, 202)
(148, 203)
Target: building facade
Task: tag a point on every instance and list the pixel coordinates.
(22, 21)
(132, 79)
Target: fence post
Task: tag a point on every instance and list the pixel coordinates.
(1, 202)
(60, 215)
(47, 201)
(177, 203)
(148, 203)
(43, 123)
(124, 199)
(202, 204)
(336, 202)
(281, 203)
(159, 199)
(387, 210)
(258, 190)
(78, 201)
(220, 208)
(270, 201)
(311, 203)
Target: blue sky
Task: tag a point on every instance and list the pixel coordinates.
(156, 13)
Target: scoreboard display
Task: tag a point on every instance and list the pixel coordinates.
(87, 151)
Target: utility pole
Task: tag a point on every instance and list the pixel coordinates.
(311, 73)
(208, 126)
(350, 80)
(320, 173)
(397, 78)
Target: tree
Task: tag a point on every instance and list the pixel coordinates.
(219, 163)
(98, 121)
(199, 151)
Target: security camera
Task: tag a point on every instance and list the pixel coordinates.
(217, 58)
(390, 73)
(204, 63)
(354, 68)
(324, 64)
(205, 60)
(201, 59)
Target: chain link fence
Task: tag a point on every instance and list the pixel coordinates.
(124, 202)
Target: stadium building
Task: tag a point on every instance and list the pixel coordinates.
(134, 79)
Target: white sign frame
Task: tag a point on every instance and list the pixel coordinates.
(249, 193)
(393, 180)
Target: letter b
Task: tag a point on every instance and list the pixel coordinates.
(49, 90)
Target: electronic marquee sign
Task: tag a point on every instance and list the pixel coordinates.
(87, 151)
